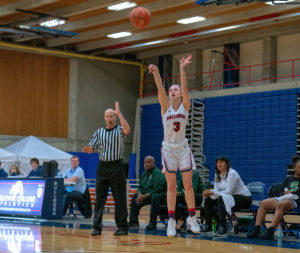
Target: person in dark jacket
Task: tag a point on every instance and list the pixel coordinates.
(151, 183)
(36, 168)
(181, 211)
(3, 173)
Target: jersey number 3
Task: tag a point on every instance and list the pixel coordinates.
(176, 126)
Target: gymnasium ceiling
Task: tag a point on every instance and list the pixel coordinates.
(93, 21)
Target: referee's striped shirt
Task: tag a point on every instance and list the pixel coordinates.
(109, 143)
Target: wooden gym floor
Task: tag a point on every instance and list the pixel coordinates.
(73, 235)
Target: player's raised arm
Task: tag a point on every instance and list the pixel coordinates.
(184, 90)
(162, 95)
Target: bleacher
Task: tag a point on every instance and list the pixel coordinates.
(131, 189)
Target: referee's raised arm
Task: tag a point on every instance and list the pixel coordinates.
(124, 123)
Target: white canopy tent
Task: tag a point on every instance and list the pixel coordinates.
(31, 146)
(7, 158)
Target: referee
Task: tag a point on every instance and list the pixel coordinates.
(109, 141)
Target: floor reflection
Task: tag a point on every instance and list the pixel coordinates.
(72, 236)
(20, 238)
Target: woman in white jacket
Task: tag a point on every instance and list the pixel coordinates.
(229, 191)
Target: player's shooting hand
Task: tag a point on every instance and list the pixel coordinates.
(185, 61)
(152, 69)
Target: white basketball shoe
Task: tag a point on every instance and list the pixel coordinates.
(193, 224)
(171, 230)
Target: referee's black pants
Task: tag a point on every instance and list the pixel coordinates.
(111, 174)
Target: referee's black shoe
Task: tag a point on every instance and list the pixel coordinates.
(121, 232)
(96, 232)
(133, 224)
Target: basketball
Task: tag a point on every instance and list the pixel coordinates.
(140, 17)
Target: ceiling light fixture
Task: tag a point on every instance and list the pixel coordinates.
(53, 23)
(119, 35)
(121, 6)
(186, 21)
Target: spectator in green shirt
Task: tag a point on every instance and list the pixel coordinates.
(151, 184)
(181, 208)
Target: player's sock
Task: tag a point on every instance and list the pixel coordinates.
(171, 214)
(192, 212)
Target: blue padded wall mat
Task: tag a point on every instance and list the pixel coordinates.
(151, 134)
(257, 131)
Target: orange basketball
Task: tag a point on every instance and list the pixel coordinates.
(140, 17)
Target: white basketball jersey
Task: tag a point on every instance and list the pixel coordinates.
(174, 124)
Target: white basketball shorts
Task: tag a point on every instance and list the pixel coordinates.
(177, 157)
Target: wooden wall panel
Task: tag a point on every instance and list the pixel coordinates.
(34, 94)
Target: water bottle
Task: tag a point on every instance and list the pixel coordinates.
(279, 243)
(279, 232)
(214, 225)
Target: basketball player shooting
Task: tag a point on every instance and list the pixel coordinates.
(176, 153)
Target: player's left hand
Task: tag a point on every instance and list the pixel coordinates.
(185, 61)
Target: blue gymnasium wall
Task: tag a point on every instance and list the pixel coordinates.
(151, 134)
(88, 162)
(257, 131)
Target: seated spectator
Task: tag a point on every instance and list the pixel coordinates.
(36, 169)
(290, 200)
(3, 173)
(229, 191)
(76, 189)
(181, 211)
(151, 184)
(14, 171)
